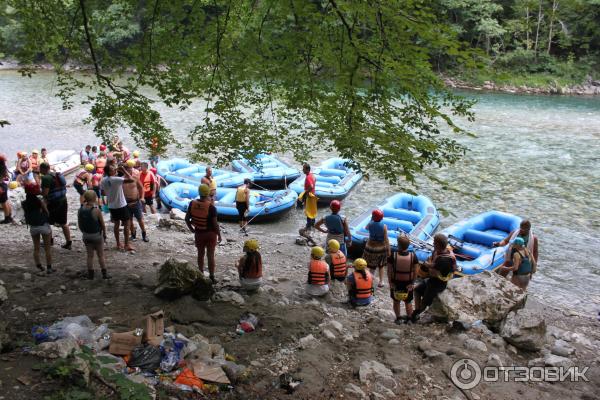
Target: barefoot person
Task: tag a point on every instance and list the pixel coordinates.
(441, 265)
(523, 264)
(242, 204)
(112, 185)
(201, 219)
(318, 273)
(360, 284)
(54, 189)
(4, 202)
(36, 216)
(250, 268)
(402, 271)
(377, 248)
(336, 227)
(93, 230)
(134, 192)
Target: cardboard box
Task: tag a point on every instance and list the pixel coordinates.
(121, 344)
(154, 327)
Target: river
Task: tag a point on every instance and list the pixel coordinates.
(535, 156)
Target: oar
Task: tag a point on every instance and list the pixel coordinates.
(251, 219)
(493, 258)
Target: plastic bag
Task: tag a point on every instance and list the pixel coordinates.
(78, 328)
(147, 358)
(40, 333)
(248, 322)
(169, 361)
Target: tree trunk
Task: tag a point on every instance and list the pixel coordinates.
(554, 8)
(527, 43)
(537, 31)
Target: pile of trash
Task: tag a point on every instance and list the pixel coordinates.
(151, 355)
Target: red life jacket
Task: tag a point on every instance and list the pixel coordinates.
(199, 213)
(317, 272)
(403, 268)
(364, 287)
(148, 180)
(338, 265)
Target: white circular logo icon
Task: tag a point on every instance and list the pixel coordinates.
(465, 373)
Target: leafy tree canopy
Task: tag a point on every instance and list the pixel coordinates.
(352, 77)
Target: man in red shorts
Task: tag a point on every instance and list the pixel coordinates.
(201, 218)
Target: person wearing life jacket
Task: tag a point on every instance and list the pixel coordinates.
(155, 151)
(250, 268)
(4, 202)
(201, 219)
(441, 265)
(36, 216)
(148, 181)
(530, 240)
(112, 187)
(336, 259)
(242, 204)
(360, 284)
(54, 190)
(35, 161)
(336, 227)
(100, 163)
(157, 186)
(210, 181)
(134, 192)
(83, 177)
(402, 268)
(23, 171)
(523, 264)
(377, 248)
(84, 155)
(318, 273)
(93, 230)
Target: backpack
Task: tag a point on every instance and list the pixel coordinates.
(58, 187)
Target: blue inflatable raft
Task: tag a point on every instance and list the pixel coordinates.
(264, 204)
(472, 240)
(334, 180)
(181, 170)
(403, 213)
(269, 172)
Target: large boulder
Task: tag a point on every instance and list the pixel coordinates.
(486, 296)
(524, 329)
(177, 278)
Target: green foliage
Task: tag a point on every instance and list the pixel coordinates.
(71, 394)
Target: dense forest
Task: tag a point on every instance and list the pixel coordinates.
(520, 41)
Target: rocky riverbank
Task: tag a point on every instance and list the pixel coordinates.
(334, 351)
(588, 88)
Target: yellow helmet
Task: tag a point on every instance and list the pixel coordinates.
(135, 154)
(317, 252)
(360, 264)
(13, 185)
(130, 163)
(251, 244)
(89, 167)
(333, 245)
(204, 190)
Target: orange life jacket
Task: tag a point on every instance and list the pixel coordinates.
(100, 165)
(199, 213)
(338, 265)
(35, 164)
(364, 287)
(148, 180)
(403, 267)
(317, 272)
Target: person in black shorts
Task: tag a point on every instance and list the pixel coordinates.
(242, 203)
(54, 189)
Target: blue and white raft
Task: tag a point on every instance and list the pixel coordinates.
(264, 204)
(334, 180)
(268, 172)
(181, 170)
(403, 213)
(472, 240)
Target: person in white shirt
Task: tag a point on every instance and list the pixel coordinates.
(113, 188)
